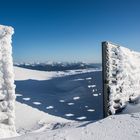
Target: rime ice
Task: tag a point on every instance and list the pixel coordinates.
(7, 87)
(124, 77)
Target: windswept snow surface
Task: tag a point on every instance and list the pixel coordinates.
(26, 74)
(60, 95)
(118, 127)
(7, 87)
(123, 76)
(38, 125)
(34, 120)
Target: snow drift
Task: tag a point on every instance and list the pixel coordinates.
(7, 87)
(122, 76)
(38, 125)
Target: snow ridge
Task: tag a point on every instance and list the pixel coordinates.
(7, 87)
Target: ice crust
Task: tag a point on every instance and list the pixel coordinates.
(7, 86)
(124, 77)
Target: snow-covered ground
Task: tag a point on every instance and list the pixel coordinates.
(119, 127)
(76, 96)
(34, 120)
(26, 74)
(34, 124)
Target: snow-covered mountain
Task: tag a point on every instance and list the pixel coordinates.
(58, 66)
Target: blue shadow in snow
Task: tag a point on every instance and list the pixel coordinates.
(56, 96)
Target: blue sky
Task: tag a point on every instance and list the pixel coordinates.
(70, 30)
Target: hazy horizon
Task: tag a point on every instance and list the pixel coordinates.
(53, 62)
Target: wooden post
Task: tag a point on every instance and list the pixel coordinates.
(105, 71)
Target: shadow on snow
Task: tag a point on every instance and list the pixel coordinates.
(76, 97)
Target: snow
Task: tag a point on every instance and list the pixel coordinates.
(69, 115)
(60, 95)
(132, 108)
(46, 75)
(118, 127)
(89, 78)
(33, 118)
(91, 110)
(81, 118)
(18, 95)
(7, 87)
(95, 95)
(26, 99)
(70, 103)
(49, 107)
(79, 79)
(37, 103)
(34, 124)
(40, 125)
(91, 86)
(61, 101)
(76, 98)
(124, 77)
(32, 74)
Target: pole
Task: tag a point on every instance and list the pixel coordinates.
(105, 71)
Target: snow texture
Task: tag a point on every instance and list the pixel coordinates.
(60, 95)
(7, 87)
(42, 126)
(38, 125)
(124, 77)
(47, 75)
